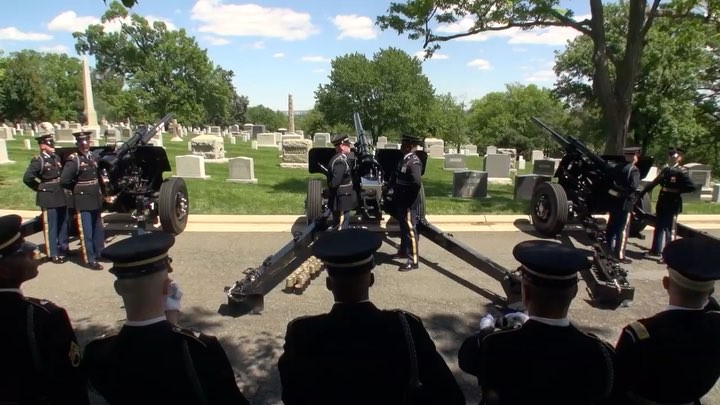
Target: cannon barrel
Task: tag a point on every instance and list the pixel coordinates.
(574, 146)
(139, 138)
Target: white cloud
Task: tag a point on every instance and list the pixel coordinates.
(258, 45)
(251, 20)
(69, 21)
(168, 23)
(14, 34)
(480, 64)
(215, 41)
(278, 55)
(465, 24)
(54, 49)
(354, 26)
(315, 59)
(436, 55)
(542, 76)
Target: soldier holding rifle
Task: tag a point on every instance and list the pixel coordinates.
(341, 199)
(623, 196)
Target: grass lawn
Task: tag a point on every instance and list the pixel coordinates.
(282, 191)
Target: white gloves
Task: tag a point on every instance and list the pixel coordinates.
(172, 300)
(516, 319)
(487, 322)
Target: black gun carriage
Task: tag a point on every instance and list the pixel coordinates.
(131, 178)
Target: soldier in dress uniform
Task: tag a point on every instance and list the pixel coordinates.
(43, 176)
(626, 181)
(406, 185)
(39, 351)
(152, 361)
(674, 181)
(80, 175)
(341, 195)
(357, 353)
(547, 360)
(673, 357)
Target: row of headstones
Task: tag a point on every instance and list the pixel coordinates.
(240, 169)
(497, 166)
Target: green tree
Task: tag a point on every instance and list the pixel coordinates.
(449, 120)
(162, 70)
(261, 115)
(390, 93)
(313, 121)
(38, 86)
(502, 119)
(614, 92)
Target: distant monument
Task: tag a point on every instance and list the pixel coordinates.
(89, 112)
(291, 115)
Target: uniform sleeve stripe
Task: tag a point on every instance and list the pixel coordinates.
(640, 331)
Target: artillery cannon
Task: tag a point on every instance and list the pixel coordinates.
(371, 183)
(131, 178)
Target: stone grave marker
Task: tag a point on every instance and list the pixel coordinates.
(699, 173)
(27, 144)
(232, 140)
(471, 149)
(208, 146)
(429, 142)
(4, 159)
(525, 185)
(521, 163)
(382, 139)
(545, 167)
(436, 152)
(253, 145)
(241, 170)
(321, 140)
(536, 155)
(491, 150)
(6, 133)
(392, 146)
(497, 166)
(715, 193)
(470, 184)
(64, 135)
(190, 167)
(455, 162)
(257, 129)
(266, 139)
(295, 153)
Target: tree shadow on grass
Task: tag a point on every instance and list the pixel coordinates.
(291, 185)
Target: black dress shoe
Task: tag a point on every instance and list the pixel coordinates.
(58, 259)
(625, 260)
(399, 255)
(408, 266)
(95, 266)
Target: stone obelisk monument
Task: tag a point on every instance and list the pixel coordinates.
(291, 115)
(91, 121)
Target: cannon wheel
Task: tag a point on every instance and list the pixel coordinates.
(637, 225)
(549, 209)
(173, 205)
(313, 208)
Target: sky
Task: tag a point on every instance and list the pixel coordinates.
(282, 47)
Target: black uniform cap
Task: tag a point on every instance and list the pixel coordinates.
(673, 150)
(82, 136)
(10, 237)
(339, 138)
(46, 139)
(632, 150)
(140, 255)
(349, 251)
(550, 264)
(693, 263)
(411, 139)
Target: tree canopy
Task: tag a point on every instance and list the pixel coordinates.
(390, 93)
(144, 71)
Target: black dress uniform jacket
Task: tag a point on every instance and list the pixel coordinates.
(626, 182)
(45, 168)
(161, 364)
(40, 355)
(80, 175)
(407, 182)
(672, 357)
(540, 364)
(674, 181)
(357, 354)
(340, 184)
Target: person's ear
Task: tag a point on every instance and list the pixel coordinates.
(666, 283)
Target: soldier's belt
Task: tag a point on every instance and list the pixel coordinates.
(86, 183)
(669, 190)
(614, 193)
(53, 181)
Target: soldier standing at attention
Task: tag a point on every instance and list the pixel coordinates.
(623, 191)
(80, 175)
(152, 361)
(46, 167)
(341, 197)
(673, 180)
(673, 357)
(357, 353)
(39, 350)
(407, 183)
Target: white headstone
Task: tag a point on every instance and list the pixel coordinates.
(253, 145)
(27, 144)
(521, 163)
(436, 152)
(208, 146)
(241, 170)
(266, 139)
(491, 150)
(536, 155)
(455, 162)
(497, 166)
(233, 141)
(4, 159)
(190, 167)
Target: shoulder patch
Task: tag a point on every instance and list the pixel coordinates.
(74, 354)
(640, 330)
(193, 334)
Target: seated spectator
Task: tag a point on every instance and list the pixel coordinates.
(357, 353)
(547, 360)
(673, 357)
(151, 361)
(40, 355)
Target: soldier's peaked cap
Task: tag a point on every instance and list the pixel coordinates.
(550, 264)
(140, 255)
(693, 263)
(82, 135)
(10, 236)
(631, 150)
(407, 138)
(674, 150)
(47, 139)
(349, 251)
(340, 138)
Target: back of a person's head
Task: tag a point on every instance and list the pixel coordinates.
(693, 267)
(142, 291)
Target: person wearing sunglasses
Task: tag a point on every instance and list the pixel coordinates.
(39, 350)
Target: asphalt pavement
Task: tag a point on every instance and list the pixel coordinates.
(448, 294)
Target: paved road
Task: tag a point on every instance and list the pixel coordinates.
(446, 292)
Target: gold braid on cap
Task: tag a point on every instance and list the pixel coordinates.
(548, 276)
(11, 241)
(694, 285)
